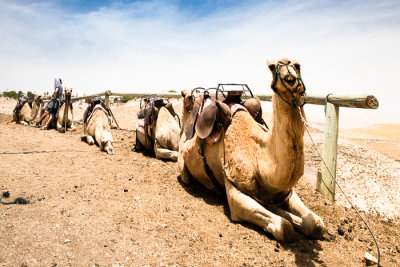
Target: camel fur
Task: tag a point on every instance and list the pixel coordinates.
(27, 114)
(97, 129)
(164, 133)
(256, 167)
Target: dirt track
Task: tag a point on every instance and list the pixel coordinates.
(130, 209)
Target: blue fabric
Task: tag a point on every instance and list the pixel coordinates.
(53, 106)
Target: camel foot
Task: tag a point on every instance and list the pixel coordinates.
(313, 225)
(174, 156)
(282, 230)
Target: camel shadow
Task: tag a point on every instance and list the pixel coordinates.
(197, 190)
(305, 250)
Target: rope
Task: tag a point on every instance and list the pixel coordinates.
(40, 151)
(336, 182)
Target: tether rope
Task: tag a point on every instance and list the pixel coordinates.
(336, 182)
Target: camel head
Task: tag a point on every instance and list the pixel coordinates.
(287, 81)
(187, 101)
(38, 99)
(68, 93)
(106, 143)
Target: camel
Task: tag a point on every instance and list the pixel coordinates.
(257, 168)
(65, 119)
(158, 131)
(28, 113)
(97, 127)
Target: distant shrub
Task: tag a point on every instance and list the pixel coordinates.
(125, 99)
(171, 91)
(11, 94)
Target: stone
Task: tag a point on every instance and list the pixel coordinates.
(340, 230)
(369, 259)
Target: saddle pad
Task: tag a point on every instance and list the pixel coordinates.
(206, 119)
(140, 126)
(190, 121)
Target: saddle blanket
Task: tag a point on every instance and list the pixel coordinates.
(140, 126)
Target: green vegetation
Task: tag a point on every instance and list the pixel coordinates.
(125, 99)
(11, 94)
(171, 91)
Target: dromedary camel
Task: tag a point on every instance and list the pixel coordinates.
(258, 168)
(29, 112)
(157, 130)
(97, 126)
(65, 114)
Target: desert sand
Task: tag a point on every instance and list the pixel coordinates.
(90, 208)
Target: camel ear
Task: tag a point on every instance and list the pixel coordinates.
(183, 93)
(271, 65)
(296, 65)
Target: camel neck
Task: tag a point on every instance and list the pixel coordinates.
(35, 110)
(285, 146)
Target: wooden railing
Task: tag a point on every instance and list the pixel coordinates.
(325, 183)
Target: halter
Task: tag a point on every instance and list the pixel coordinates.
(300, 82)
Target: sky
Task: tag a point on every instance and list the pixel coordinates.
(344, 47)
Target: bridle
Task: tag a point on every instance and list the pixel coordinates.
(300, 83)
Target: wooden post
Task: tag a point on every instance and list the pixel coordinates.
(107, 98)
(326, 185)
(40, 109)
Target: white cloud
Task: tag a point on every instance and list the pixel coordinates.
(344, 48)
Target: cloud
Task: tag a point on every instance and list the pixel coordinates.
(344, 47)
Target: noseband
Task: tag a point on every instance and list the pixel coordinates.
(300, 83)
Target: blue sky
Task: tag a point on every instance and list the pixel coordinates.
(345, 47)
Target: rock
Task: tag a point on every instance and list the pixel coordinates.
(220, 235)
(369, 259)
(340, 230)
(125, 190)
(276, 249)
(398, 248)
(41, 198)
(385, 220)
(134, 158)
(67, 241)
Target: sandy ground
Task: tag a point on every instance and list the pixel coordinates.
(90, 208)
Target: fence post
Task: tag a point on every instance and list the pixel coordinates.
(40, 109)
(325, 184)
(107, 98)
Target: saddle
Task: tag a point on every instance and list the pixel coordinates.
(149, 107)
(211, 112)
(22, 100)
(95, 100)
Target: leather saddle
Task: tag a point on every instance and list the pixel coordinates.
(211, 113)
(95, 100)
(149, 107)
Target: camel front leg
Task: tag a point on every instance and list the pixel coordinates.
(73, 128)
(311, 223)
(60, 128)
(244, 208)
(163, 153)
